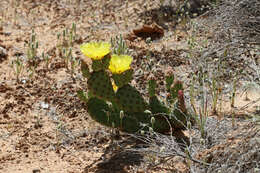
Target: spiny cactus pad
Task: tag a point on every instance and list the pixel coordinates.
(130, 100)
(156, 106)
(178, 119)
(169, 81)
(123, 78)
(102, 113)
(169, 78)
(85, 70)
(162, 123)
(82, 96)
(101, 64)
(152, 86)
(179, 114)
(99, 85)
(131, 123)
(176, 86)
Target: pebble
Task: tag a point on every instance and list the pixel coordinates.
(36, 170)
(44, 105)
(3, 52)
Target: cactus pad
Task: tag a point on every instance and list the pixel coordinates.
(152, 85)
(85, 70)
(101, 64)
(123, 78)
(102, 113)
(169, 78)
(156, 106)
(130, 100)
(99, 85)
(131, 123)
(175, 88)
(179, 114)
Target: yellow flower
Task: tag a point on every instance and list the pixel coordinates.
(120, 63)
(95, 50)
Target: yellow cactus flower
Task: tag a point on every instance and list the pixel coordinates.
(95, 50)
(120, 63)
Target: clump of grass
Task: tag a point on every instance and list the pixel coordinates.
(46, 58)
(233, 94)
(66, 42)
(18, 68)
(32, 50)
(203, 109)
(216, 86)
(119, 45)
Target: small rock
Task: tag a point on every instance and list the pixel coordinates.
(23, 81)
(44, 105)
(3, 54)
(36, 170)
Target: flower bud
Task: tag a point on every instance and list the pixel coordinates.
(150, 129)
(122, 114)
(147, 112)
(152, 120)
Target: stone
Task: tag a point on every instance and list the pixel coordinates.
(3, 54)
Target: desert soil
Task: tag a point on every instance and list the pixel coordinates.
(45, 128)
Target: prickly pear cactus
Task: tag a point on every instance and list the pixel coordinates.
(85, 70)
(177, 86)
(105, 104)
(156, 106)
(169, 78)
(102, 64)
(123, 78)
(181, 102)
(99, 85)
(152, 85)
(130, 100)
(179, 114)
(106, 115)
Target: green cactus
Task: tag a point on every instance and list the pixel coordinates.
(131, 123)
(126, 109)
(82, 96)
(130, 100)
(99, 85)
(135, 115)
(179, 115)
(169, 78)
(105, 115)
(161, 124)
(101, 64)
(85, 70)
(123, 78)
(156, 106)
(175, 88)
(152, 86)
